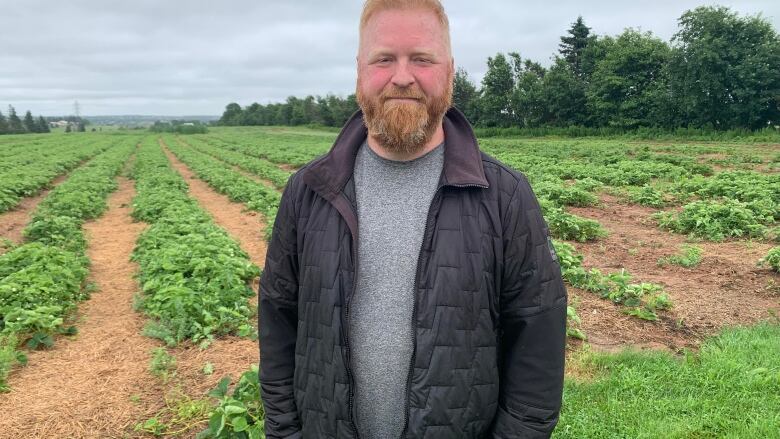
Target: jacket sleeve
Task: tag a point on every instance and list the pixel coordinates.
(532, 313)
(278, 323)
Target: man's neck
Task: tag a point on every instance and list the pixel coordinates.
(436, 139)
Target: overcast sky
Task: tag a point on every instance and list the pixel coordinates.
(158, 57)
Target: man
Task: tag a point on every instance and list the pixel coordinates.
(410, 286)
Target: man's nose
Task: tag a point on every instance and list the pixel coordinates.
(402, 77)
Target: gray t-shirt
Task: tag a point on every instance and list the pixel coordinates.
(393, 199)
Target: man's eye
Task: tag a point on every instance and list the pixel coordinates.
(423, 60)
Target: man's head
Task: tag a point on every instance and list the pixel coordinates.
(405, 71)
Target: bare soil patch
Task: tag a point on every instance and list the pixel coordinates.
(85, 386)
(726, 288)
(287, 167)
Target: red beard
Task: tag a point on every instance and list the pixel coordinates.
(403, 126)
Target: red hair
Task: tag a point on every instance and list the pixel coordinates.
(371, 7)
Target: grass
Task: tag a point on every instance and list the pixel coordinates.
(730, 389)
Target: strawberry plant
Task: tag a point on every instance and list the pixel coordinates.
(772, 259)
(194, 278)
(690, 257)
(240, 414)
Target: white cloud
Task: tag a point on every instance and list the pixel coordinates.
(164, 57)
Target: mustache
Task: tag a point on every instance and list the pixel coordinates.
(402, 93)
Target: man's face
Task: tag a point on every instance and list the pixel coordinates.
(404, 83)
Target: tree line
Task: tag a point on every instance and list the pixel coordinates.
(720, 71)
(13, 124)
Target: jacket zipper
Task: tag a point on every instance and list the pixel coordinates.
(414, 308)
(347, 300)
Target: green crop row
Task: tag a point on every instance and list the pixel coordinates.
(194, 278)
(731, 204)
(220, 176)
(564, 225)
(772, 259)
(26, 174)
(30, 147)
(282, 146)
(717, 220)
(642, 300)
(42, 280)
(260, 167)
(745, 186)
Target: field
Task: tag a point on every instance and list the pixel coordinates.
(129, 265)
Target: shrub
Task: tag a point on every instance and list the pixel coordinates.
(690, 257)
(772, 259)
(716, 220)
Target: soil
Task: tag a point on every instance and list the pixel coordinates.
(85, 385)
(287, 167)
(726, 288)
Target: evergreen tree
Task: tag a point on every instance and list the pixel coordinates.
(29, 123)
(43, 126)
(67, 128)
(3, 124)
(572, 46)
(14, 123)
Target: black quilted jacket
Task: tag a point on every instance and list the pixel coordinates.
(489, 315)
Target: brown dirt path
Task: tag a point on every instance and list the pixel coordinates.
(230, 355)
(287, 167)
(726, 288)
(82, 388)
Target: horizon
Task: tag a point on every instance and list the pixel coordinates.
(133, 60)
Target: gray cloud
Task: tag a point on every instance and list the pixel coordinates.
(179, 58)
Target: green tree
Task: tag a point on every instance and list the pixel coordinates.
(629, 84)
(14, 123)
(573, 45)
(29, 123)
(3, 124)
(43, 126)
(725, 70)
(528, 100)
(232, 115)
(324, 111)
(465, 96)
(497, 88)
(564, 95)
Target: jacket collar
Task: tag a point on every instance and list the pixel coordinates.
(462, 158)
